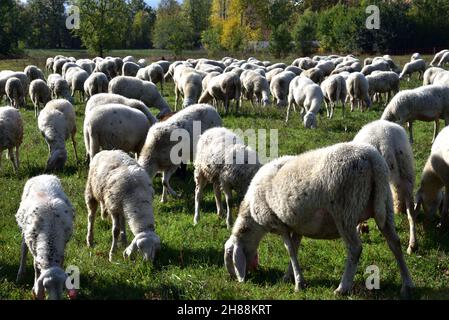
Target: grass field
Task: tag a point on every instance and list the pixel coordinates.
(190, 263)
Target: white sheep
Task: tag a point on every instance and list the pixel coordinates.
(411, 67)
(391, 141)
(357, 87)
(4, 77)
(40, 93)
(164, 64)
(144, 91)
(45, 218)
(61, 89)
(11, 137)
(224, 87)
(33, 73)
(223, 160)
(156, 155)
(153, 73)
(130, 69)
(256, 86)
(293, 69)
(49, 64)
(444, 60)
(380, 82)
(334, 90)
(438, 57)
(429, 103)
(279, 87)
(430, 75)
(76, 77)
(57, 123)
(316, 74)
(441, 78)
(380, 65)
(415, 56)
(15, 92)
(125, 192)
(114, 126)
(304, 63)
(188, 84)
(321, 194)
(96, 83)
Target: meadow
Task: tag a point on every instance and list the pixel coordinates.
(190, 263)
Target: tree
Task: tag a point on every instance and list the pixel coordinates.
(197, 12)
(305, 32)
(102, 25)
(10, 27)
(142, 28)
(281, 41)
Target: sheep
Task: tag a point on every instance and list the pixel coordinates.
(315, 74)
(107, 98)
(114, 126)
(277, 65)
(430, 74)
(125, 192)
(223, 160)
(164, 64)
(429, 103)
(171, 69)
(434, 177)
(380, 65)
(438, 57)
(207, 78)
(188, 83)
(304, 63)
(441, 78)
(153, 73)
(279, 87)
(293, 69)
(87, 65)
(49, 65)
(142, 63)
(129, 59)
(45, 218)
(56, 123)
(130, 69)
(367, 61)
(211, 62)
(67, 66)
(15, 93)
(444, 60)
(76, 77)
(11, 137)
(334, 90)
(118, 65)
(58, 64)
(391, 141)
(357, 87)
(144, 91)
(308, 95)
(108, 67)
(415, 56)
(6, 75)
(208, 68)
(321, 194)
(255, 85)
(383, 82)
(39, 93)
(411, 67)
(96, 83)
(224, 87)
(156, 153)
(62, 90)
(34, 73)
(326, 67)
(270, 74)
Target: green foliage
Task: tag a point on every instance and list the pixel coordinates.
(197, 12)
(11, 27)
(281, 41)
(305, 32)
(173, 32)
(210, 39)
(142, 29)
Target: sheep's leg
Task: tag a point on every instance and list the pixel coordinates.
(411, 215)
(23, 258)
(445, 211)
(115, 234)
(123, 238)
(74, 146)
(13, 159)
(37, 274)
(92, 206)
(200, 182)
(389, 232)
(354, 250)
(410, 130)
(228, 196)
(343, 106)
(299, 278)
(288, 112)
(217, 191)
(436, 129)
(296, 241)
(327, 108)
(166, 175)
(17, 157)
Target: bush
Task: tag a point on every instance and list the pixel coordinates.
(173, 32)
(281, 41)
(305, 32)
(211, 40)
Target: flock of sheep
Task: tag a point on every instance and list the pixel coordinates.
(323, 194)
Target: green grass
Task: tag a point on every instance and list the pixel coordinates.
(190, 264)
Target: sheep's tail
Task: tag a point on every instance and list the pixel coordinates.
(382, 197)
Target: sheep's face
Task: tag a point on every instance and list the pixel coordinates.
(266, 102)
(57, 160)
(430, 202)
(148, 243)
(50, 282)
(310, 121)
(238, 259)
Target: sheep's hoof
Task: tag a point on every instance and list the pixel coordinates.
(300, 286)
(406, 292)
(412, 248)
(341, 291)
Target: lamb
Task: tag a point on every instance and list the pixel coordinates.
(444, 60)
(40, 93)
(255, 85)
(15, 93)
(144, 91)
(114, 126)
(11, 137)
(315, 74)
(125, 192)
(309, 96)
(57, 123)
(391, 141)
(434, 177)
(156, 153)
(430, 74)
(334, 90)
(279, 87)
(411, 67)
(34, 73)
(438, 57)
(357, 87)
(380, 65)
(321, 194)
(130, 69)
(224, 87)
(96, 83)
(383, 82)
(153, 73)
(45, 218)
(107, 98)
(429, 103)
(76, 77)
(188, 83)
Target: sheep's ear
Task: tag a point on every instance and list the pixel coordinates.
(239, 263)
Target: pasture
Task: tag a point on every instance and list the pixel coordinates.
(190, 263)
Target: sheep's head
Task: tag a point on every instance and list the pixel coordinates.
(266, 101)
(148, 243)
(310, 121)
(238, 259)
(429, 201)
(57, 160)
(50, 282)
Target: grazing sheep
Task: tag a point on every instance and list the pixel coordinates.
(108, 67)
(270, 74)
(49, 65)
(315, 74)
(429, 103)
(114, 126)
(223, 160)
(34, 73)
(433, 179)
(164, 64)
(411, 67)
(144, 91)
(277, 65)
(357, 87)
(438, 57)
(130, 69)
(391, 141)
(279, 87)
(45, 218)
(304, 63)
(40, 93)
(67, 66)
(142, 63)
(380, 65)
(224, 87)
(380, 82)
(326, 67)
(129, 59)
(153, 73)
(11, 134)
(334, 90)
(444, 60)
(6, 75)
(76, 77)
(206, 79)
(430, 75)
(321, 194)
(58, 64)
(57, 123)
(415, 56)
(293, 69)
(255, 85)
(156, 153)
(15, 93)
(188, 84)
(96, 83)
(441, 78)
(62, 90)
(125, 192)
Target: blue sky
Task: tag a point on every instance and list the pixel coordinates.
(153, 3)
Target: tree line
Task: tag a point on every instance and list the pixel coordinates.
(301, 26)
